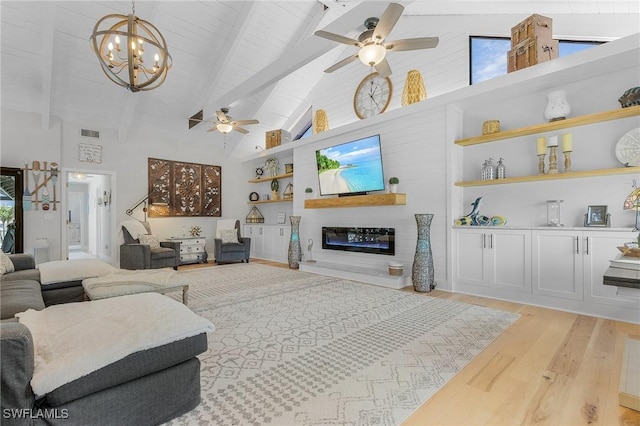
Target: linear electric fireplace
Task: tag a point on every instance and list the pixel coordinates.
(363, 240)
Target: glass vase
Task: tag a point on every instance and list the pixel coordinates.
(422, 270)
(295, 252)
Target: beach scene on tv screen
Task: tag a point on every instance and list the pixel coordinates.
(351, 167)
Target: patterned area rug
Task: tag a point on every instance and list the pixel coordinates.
(294, 348)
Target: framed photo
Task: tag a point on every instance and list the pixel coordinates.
(596, 216)
(282, 216)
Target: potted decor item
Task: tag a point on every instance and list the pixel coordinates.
(393, 184)
(308, 192)
(275, 185)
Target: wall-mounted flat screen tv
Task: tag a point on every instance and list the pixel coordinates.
(351, 168)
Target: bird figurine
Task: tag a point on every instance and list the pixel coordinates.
(474, 211)
(309, 246)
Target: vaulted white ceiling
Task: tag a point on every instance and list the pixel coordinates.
(259, 58)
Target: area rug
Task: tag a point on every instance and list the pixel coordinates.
(294, 348)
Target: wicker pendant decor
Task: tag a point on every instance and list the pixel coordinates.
(320, 122)
(414, 90)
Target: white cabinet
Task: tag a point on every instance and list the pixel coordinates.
(601, 247)
(494, 258)
(269, 242)
(192, 249)
(558, 264)
(571, 264)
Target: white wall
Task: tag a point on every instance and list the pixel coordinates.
(23, 140)
(413, 149)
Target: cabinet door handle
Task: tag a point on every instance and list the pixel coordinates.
(577, 245)
(491, 241)
(586, 250)
(484, 244)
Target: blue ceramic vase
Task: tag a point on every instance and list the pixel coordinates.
(295, 252)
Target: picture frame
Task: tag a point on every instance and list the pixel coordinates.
(596, 216)
(281, 218)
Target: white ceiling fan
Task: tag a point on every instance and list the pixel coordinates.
(225, 123)
(371, 42)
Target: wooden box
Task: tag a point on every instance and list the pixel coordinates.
(534, 26)
(277, 137)
(531, 52)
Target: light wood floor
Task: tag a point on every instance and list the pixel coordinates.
(549, 368)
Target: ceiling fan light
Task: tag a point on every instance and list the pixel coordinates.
(372, 54)
(224, 127)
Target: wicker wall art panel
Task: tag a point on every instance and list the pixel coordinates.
(178, 188)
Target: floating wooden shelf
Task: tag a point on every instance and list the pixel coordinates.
(554, 125)
(566, 175)
(357, 201)
(269, 178)
(281, 200)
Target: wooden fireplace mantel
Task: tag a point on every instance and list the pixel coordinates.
(390, 199)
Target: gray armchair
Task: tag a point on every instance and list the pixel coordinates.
(134, 255)
(231, 251)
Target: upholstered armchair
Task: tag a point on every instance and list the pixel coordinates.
(229, 245)
(148, 253)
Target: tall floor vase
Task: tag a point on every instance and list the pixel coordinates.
(295, 252)
(422, 271)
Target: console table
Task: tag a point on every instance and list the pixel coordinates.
(192, 249)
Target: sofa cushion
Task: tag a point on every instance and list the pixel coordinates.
(18, 296)
(162, 253)
(24, 274)
(228, 236)
(129, 368)
(152, 240)
(233, 248)
(92, 335)
(6, 265)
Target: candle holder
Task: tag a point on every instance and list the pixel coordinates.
(541, 164)
(567, 161)
(553, 160)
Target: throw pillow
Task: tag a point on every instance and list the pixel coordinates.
(6, 265)
(152, 240)
(229, 236)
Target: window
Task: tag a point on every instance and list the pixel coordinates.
(307, 131)
(488, 55)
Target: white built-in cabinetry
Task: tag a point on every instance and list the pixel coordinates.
(562, 267)
(269, 242)
(495, 258)
(555, 267)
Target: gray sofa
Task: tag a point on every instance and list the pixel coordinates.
(232, 252)
(51, 294)
(145, 388)
(134, 255)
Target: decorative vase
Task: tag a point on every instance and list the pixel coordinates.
(557, 106)
(320, 122)
(422, 271)
(414, 90)
(295, 252)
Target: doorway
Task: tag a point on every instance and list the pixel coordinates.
(11, 223)
(89, 199)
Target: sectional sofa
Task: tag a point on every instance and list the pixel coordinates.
(147, 387)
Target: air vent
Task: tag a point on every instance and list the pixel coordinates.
(90, 133)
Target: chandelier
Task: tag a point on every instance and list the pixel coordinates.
(121, 42)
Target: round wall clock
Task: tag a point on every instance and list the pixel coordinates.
(372, 96)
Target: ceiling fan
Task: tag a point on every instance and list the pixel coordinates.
(225, 123)
(372, 41)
